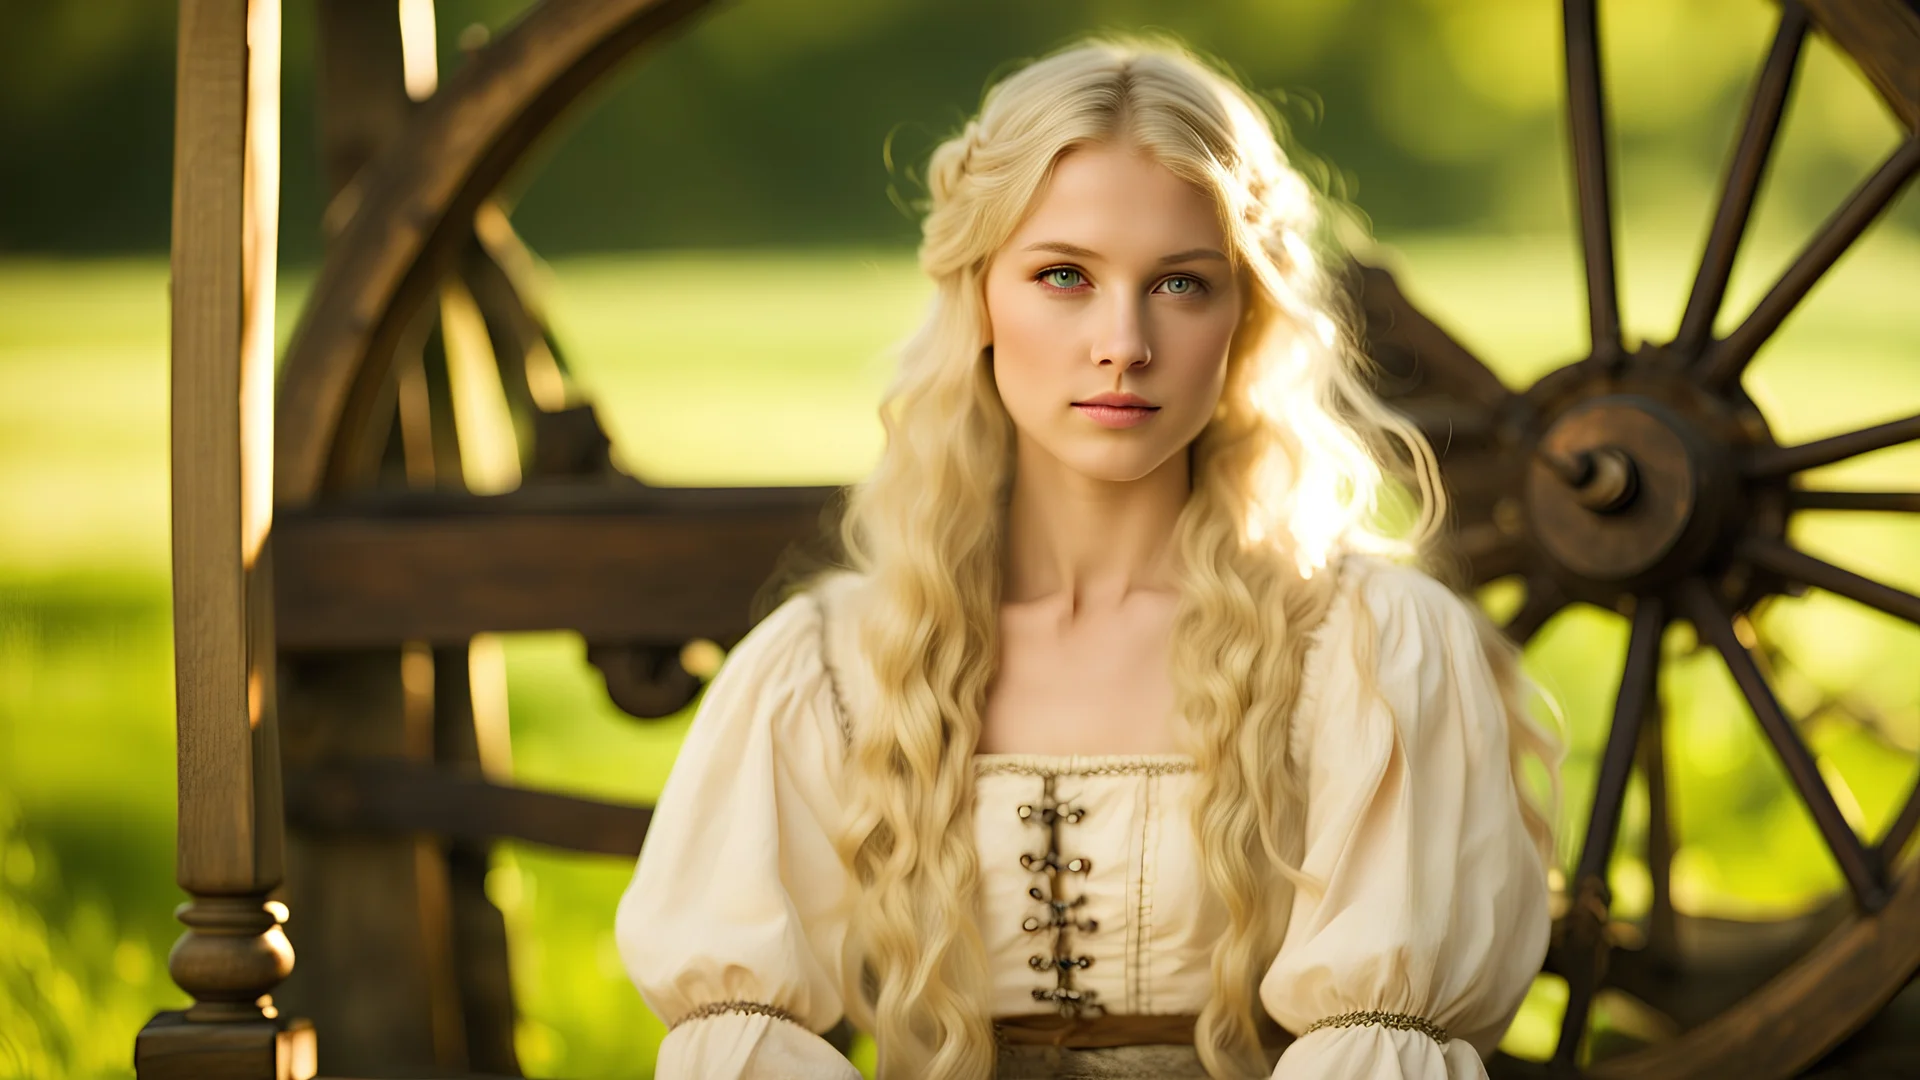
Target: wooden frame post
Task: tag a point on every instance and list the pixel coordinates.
(230, 857)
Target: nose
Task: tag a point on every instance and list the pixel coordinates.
(1122, 339)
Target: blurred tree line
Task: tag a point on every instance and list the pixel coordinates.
(766, 123)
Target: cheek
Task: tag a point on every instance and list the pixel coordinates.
(1026, 337)
(1021, 378)
(1018, 319)
(1208, 342)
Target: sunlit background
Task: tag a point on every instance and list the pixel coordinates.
(727, 264)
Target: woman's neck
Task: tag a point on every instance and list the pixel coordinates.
(1086, 544)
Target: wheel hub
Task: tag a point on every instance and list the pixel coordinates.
(1621, 490)
(1631, 480)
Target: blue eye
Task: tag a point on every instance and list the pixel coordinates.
(1062, 277)
(1182, 285)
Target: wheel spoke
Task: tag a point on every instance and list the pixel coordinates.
(1587, 123)
(1544, 601)
(1749, 165)
(1900, 831)
(1725, 360)
(1799, 566)
(1892, 502)
(1711, 620)
(1639, 685)
(1779, 461)
(1639, 688)
(1662, 926)
(513, 327)
(1419, 359)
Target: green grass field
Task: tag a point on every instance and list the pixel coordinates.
(734, 368)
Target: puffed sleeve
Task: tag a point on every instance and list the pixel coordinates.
(1415, 956)
(733, 923)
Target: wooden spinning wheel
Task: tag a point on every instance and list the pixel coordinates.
(1645, 480)
(1640, 479)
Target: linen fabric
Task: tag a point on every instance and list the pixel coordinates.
(1433, 900)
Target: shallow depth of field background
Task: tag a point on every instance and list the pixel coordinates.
(727, 267)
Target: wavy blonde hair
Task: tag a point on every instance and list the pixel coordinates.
(1286, 477)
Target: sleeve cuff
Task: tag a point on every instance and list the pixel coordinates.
(747, 1041)
(1375, 1018)
(744, 1008)
(1349, 1046)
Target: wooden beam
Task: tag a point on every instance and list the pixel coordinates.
(230, 850)
(385, 797)
(617, 564)
(223, 274)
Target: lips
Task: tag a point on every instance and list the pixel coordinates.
(1116, 410)
(1123, 401)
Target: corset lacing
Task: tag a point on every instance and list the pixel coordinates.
(1050, 814)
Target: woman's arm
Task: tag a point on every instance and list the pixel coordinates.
(1433, 920)
(733, 924)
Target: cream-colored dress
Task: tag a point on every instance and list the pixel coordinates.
(1434, 906)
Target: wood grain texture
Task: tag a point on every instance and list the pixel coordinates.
(171, 1047)
(614, 563)
(364, 895)
(222, 282)
(230, 847)
(374, 798)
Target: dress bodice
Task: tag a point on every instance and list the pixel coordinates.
(1090, 897)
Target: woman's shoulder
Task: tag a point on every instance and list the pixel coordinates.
(821, 618)
(835, 589)
(1392, 629)
(779, 676)
(787, 634)
(1394, 603)
(844, 597)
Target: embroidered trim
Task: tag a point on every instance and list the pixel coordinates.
(1372, 1018)
(1149, 871)
(750, 1008)
(984, 765)
(1050, 813)
(840, 712)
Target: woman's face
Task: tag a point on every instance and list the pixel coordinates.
(1116, 288)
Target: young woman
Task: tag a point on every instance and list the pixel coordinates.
(1120, 747)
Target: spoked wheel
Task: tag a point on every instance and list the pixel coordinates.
(1644, 480)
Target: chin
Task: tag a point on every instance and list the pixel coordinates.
(1115, 465)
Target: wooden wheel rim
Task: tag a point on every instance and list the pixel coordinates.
(414, 204)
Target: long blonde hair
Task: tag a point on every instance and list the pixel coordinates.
(1286, 477)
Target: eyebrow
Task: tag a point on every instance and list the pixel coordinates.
(1079, 252)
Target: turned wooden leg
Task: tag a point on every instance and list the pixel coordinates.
(230, 958)
(230, 853)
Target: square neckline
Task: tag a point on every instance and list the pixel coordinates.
(1083, 764)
